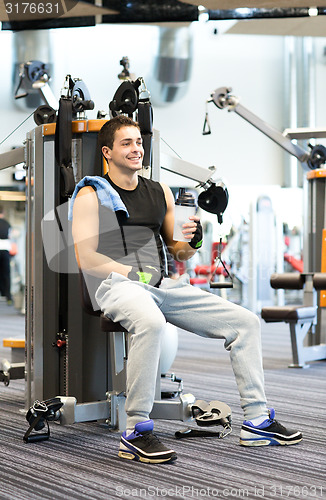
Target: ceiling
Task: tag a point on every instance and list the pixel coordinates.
(255, 4)
(280, 17)
(301, 26)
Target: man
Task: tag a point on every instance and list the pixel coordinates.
(134, 291)
(5, 246)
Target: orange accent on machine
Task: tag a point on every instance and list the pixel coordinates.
(78, 126)
(317, 173)
(18, 343)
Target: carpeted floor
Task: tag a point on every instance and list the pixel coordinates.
(80, 461)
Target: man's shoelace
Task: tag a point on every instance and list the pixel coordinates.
(150, 437)
(275, 422)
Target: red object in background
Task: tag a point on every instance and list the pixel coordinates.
(297, 264)
(13, 249)
(287, 241)
(203, 270)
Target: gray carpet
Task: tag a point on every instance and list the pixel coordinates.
(80, 461)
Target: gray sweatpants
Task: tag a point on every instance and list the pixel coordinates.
(143, 310)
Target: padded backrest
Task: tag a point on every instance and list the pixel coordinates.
(85, 298)
(84, 294)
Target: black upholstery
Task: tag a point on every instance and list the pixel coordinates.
(319, 281)
(106, 324)
(300, 318)
(292, 313)
(288, 281)
(289, 313)
(85, 298)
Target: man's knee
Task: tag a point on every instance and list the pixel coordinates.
(151, 323)
(252, 321)
(247, 330)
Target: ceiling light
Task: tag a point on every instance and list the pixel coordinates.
(243, 11)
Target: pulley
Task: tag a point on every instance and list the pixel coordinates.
(125, 100)
(214, 200)
(81, 99)
(317, 156)
(44, 114)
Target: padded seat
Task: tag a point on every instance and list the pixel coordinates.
(288, 314)
(107, 325)
(301, 318)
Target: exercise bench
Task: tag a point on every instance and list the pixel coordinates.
(302, 319)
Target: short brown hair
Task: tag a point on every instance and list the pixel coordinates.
(107, 132)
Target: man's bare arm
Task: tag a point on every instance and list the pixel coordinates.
(85, 232)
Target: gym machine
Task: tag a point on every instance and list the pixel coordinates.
(223, 99)
(34, 76)
(66, 353)
(308, 338)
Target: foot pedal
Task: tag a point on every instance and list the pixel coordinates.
(207, 415)
(40, 414)
(213, 413)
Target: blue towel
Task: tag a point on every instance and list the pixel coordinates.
(107, 195)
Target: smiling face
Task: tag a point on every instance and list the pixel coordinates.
(127, 151)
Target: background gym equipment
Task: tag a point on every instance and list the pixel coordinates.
(222, 98)
(308, 338)
(302, 319)
(215, 200)
(34, 77)
(219, 262)
(15, 368)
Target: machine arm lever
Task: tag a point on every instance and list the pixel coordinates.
(223, 98)
(272, 133)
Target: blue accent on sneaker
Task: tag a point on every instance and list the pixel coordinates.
(265, 423)
(146, 426)
(269, 432)
(144, 446)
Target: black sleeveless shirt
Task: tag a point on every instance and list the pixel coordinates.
(135, 240)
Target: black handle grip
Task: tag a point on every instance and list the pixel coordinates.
(221, 285)
(36, 437)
